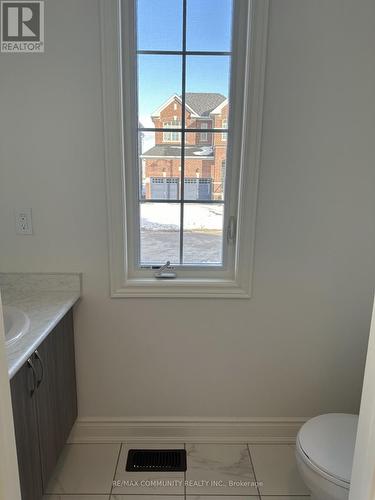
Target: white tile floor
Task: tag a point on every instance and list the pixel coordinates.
(214, 472)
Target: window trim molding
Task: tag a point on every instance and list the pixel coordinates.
(239, 284)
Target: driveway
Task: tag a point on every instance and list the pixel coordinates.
(200, 247)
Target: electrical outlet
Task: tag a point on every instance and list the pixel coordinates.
(24, 223)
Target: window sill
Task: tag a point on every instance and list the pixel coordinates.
(182, 288)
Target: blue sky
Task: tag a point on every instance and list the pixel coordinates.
(160, 28)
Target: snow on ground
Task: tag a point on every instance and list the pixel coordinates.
(166, 217)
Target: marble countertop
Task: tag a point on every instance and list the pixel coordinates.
(45, 298)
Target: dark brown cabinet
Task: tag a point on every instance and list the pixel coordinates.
(27, 432)
(44, 402)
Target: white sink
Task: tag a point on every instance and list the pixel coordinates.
(16, 324)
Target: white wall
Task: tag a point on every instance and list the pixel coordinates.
(298, 346)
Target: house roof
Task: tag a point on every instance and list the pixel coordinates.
(167, 102)
(203, 102)
(171, 151)
(198, 103)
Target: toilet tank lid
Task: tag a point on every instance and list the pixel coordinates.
(329, 441)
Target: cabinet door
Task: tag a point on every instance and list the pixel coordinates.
(56, 393)
(26, 431)
(66, 377)
(48, 404)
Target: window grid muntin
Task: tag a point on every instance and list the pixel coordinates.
(183, 130)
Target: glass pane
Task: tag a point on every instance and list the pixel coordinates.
(159, 24)
(205, 165)
(203, 233)
(159, 165)
(209, 25)
(160, 233)
(207, 88)
(159, 88)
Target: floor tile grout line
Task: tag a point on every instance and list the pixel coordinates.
(252, 466)
(114, 474)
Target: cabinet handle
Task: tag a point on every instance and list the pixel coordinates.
(31, 365)
(39, 381)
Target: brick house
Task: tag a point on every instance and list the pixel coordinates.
(205, 152)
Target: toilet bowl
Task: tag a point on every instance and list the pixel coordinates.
(324, 452)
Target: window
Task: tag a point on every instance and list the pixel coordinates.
(224, 124)
(172, 136)
(170, 197)
(203, 136)
(189, 229)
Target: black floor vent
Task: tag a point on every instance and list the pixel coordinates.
(156, 461)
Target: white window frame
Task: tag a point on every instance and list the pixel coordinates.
(230, 281)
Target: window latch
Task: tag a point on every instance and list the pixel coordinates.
(231, 229)
(165, 272)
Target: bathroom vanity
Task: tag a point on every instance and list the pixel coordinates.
(44, 400)
(41, 367)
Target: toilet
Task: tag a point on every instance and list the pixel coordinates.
(324, 452)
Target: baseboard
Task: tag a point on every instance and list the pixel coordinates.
(186, 430)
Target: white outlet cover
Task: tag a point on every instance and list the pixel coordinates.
(23, 219)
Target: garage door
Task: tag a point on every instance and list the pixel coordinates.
(197, 189)
(164, 188)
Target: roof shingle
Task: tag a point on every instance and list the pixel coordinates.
(203, 102)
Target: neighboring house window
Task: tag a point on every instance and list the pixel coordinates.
(172, 136)
(169, 197)
(203, 136)
(224, 124)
